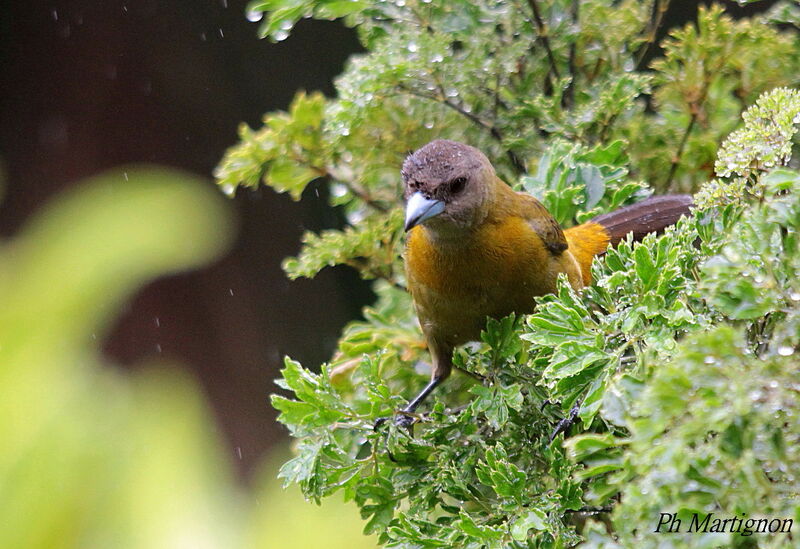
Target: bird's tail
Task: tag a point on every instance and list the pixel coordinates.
(652, 215)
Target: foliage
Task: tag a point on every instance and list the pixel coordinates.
(94, 456)
(677, 356)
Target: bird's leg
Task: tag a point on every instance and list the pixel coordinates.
(442, 358)
(404, 417)
(423, 394)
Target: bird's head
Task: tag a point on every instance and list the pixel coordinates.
(447, 186)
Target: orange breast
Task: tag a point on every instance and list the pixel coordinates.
(497, 271)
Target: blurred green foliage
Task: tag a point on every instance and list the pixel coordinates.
(96, 457)
(680, 354)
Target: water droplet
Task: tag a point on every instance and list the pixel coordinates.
(356, 217)
(125, 175)
(280, 35)
(254, 16)
(287, 25)
(54, 13)
(429, 124)
(229, 189)
(230, 291)
(437, 58)
(158, 322)
(239, 452)
(412, 47)
(221, 34)
(785, 350)
(794, 296)
(709, 359)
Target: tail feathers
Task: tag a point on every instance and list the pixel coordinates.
(584, 242)
(652, 215)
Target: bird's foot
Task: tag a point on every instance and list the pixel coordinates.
(402, 418)
(563, 425)
(405, 420)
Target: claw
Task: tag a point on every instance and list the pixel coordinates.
(563, 425)
(401, 419)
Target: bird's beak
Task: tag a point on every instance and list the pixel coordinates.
(420, 209)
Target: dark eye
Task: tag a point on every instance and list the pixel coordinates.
(457, 185)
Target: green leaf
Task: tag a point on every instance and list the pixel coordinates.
(534, 519)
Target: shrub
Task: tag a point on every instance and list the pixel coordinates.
(680, 353)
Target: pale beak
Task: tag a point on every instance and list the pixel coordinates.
(419, 209)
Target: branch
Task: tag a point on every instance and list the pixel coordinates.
(542, 30)
(364, 267)
(568, 98)
(676, 160)
(364, 196)
(353, 188)
(519, 166)
(659, 9)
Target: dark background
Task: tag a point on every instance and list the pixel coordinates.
(88, 85)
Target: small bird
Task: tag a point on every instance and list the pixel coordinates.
(478, 249)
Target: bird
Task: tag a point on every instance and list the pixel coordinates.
(475, 248)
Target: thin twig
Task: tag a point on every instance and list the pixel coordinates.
(568, 99)
(368, 200)
(496, 95)
(364, 267)
(659, 9)
(676, 160)
(519, 166)
(541, 28)
(592, 510)
(353, 188)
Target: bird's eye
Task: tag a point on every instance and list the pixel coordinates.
(457, 185)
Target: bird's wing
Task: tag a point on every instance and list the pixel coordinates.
(542, 223)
